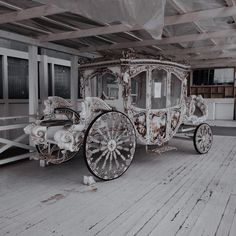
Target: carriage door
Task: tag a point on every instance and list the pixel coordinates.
(158, 102)
(138, 104)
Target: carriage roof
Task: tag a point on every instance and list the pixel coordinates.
(132, 62)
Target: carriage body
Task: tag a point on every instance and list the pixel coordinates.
(152, 93)
(124, 101)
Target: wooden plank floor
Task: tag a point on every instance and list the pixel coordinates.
(176, 193)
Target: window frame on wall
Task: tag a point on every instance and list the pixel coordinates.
(19, 55)
(52, 80)
(13, 94)
(208, 76)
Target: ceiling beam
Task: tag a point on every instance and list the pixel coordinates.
(198, 50)
(170, 20)
(164, 41)
(10, 6)
(47, 45)
(213, 63)
(30, 13)
(214, 56)
(181, 9)
(200, 15)
(89, 32)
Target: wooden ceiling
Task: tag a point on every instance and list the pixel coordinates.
(202, 35)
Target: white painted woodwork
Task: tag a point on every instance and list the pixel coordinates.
(200, 15)
(217, 55)
(43, 77)
(182, 10)
(164, 41)
(33, 80)
(29, 13)
(169, 20)
(88, 32)
(213, 63)
(36, 42)
(220, 108)
(74, 77)
(199, 50)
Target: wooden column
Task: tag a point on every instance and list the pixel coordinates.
(74, 76)
(33, 80)
(43, 77)
(5, 90)
(5, 85)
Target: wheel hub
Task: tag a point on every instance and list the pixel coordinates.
(111, 145)
(204, 138)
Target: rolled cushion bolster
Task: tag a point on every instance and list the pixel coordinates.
(49, 123)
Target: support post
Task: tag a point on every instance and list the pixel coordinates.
(43, 77)
(74, 76)
(5, 90)
(33, 80)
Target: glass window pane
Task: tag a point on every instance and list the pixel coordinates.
(175, 90)
(159, 89)
(50, 90)
(213, 76)
(18, 78)
(224, 76)
(110, 87)
(104, 86)
(138, 90)
(62, 81)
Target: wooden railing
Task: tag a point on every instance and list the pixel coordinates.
(14, 123)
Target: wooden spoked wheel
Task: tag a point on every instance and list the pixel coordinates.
(109, 145)
(203, 138)
(51, 152)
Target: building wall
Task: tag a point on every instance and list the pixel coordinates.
(14, 80)
(221, 97)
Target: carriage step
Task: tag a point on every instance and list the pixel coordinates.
(162, 149)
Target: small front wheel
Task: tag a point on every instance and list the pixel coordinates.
(109, 145)
(203, 138)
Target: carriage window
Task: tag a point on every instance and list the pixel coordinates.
(138, 90)
(104, 86)
(159, 89)
(175, 90)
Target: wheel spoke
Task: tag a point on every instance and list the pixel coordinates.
(124, 141)
(119, 154)
(99, 159)
(105, 161)
(123, 148)
(116, 161)
(110, 161)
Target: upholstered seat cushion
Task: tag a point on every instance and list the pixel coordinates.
(49, 123)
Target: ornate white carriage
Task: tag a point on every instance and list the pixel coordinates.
(124, 101)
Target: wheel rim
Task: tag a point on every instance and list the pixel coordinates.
(203, 138)
(53, 154)
(69, 113)
(110, 145)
